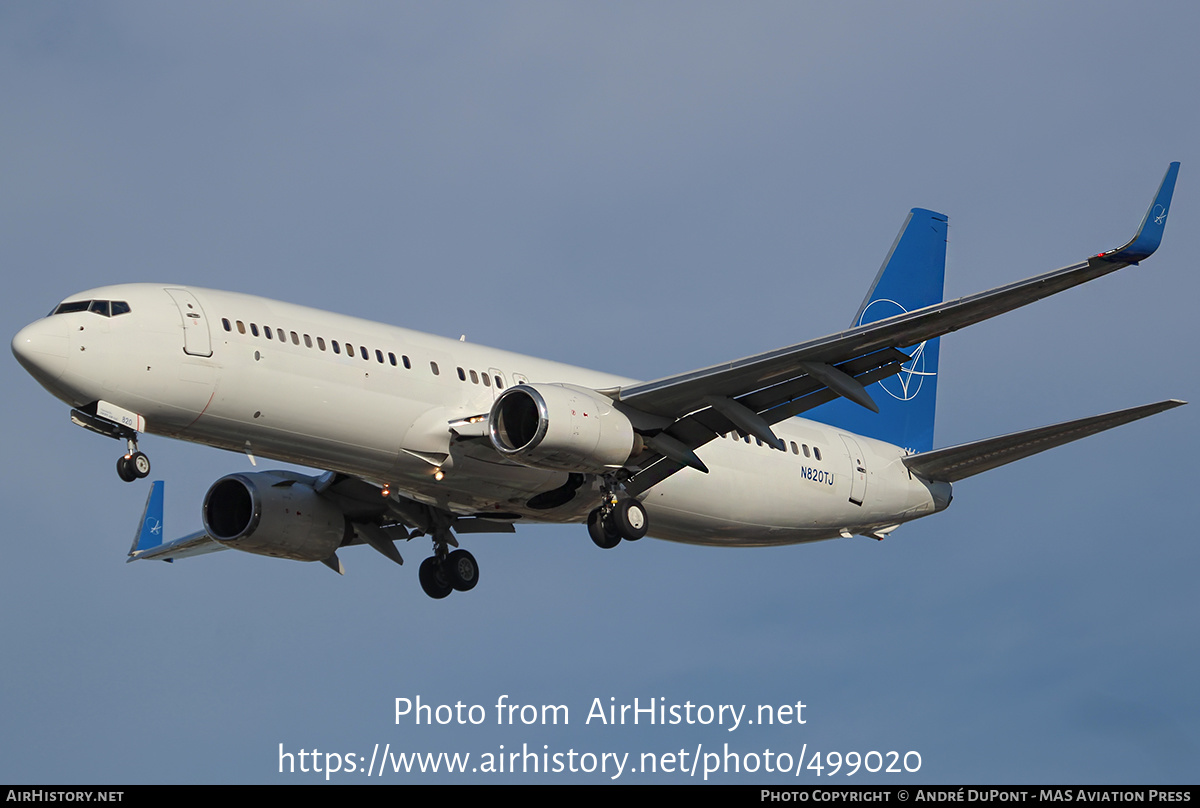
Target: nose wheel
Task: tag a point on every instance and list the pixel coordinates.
(133, 465)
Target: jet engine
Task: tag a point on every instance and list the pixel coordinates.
(274, 514)
(561, 427)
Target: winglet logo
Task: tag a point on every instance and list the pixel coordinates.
(1159, 214)
(907, 384)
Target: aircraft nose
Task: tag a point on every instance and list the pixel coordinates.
(41, 348)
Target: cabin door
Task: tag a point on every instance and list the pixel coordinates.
(196, 339)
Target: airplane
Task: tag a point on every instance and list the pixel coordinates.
(420, 435)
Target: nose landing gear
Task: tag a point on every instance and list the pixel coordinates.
(111, 421)
(133, 465)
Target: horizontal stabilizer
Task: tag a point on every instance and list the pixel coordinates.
(968, 459)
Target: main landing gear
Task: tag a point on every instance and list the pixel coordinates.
(133, 465)
(443, 573)
(617, 519)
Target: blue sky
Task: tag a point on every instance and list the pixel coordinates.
(642, 189)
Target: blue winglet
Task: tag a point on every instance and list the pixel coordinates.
(1149, 235)
(150, 529)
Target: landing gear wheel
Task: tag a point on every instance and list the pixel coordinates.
(630, 520)
(434, 579)
(140, 464)
(601, 529)
(461, 570)
(125, 469)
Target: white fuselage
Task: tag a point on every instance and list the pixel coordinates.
(382, 412)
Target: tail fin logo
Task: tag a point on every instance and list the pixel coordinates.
(1160, 214)
(905, 385)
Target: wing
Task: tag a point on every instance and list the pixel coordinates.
(753, 393)
(193, 544)
(376, 520)
(148, 541)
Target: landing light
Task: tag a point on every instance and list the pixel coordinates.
(439, 475)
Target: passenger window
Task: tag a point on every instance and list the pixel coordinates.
(795, 448)
(462, 376)
(267, 332)
(307, 341)
(349, 350)
(433, 366)
(336, 348)
(806, 454)
(407, 364)
(817, 453)
(241, 327)
(295, 338)
(487, 380)
(379, 355)
(321, 343)
(282, 336)
(474, 377)
(225, 322)
(499, 383)
(392, 358)
(362, 349)
(254, 329)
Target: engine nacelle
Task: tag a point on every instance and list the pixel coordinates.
(274, 514)
(561, 427)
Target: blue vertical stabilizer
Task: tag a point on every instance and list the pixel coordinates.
(912, 277)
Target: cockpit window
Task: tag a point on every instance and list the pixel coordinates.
(106, 308)
(73, 306)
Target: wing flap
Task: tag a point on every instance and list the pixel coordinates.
(771, 397)
(704, 426)
(968, 459)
